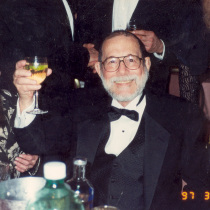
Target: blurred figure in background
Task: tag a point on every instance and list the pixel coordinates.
(193, 51)
(206, 13)
(206, 8)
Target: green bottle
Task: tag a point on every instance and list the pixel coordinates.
(55, 195)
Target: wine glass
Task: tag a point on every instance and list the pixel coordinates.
(131, 25)
(38, 67)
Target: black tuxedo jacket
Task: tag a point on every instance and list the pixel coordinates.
(41, 28)
(173, 144)
(178, 23)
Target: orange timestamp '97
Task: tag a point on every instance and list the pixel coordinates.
(191, 195)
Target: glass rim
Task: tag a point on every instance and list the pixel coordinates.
(80, 161)
(35, 58)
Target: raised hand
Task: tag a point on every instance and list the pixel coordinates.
(151, 42)
(93, 55)
(24, 85)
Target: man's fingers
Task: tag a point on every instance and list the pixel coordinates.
(24, 81)
(21, 73)
(29, 157)
(141, 37)
(26, 163)
(49, 72)
(88, 45)
(26, 157)
(140, 32)
(92, 64)
(145, 38)
(22, 167)
(20, 64)
(22, 161)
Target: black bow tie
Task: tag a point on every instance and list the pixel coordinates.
(115, 114)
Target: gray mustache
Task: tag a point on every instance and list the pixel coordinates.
(123, 78)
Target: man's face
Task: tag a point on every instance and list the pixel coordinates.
(123, 85)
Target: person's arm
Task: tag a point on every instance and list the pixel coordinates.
(160, 55)
(93, 54)
(24, 85)
(25, 162)
(25, 88)
(151, 42)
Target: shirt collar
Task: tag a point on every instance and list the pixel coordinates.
(131, 106)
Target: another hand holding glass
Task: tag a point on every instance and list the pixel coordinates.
(38, 67)
(132, 25)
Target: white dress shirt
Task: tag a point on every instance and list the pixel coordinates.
(122, 13)
(70, 17)
(23, 119)
(124, 129)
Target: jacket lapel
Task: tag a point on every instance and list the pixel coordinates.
(89, 139)
(156, 143)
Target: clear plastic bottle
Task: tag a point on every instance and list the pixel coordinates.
(80, 184)
(55, 195)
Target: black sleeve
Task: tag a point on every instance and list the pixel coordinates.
(195, 163)
(49, 136)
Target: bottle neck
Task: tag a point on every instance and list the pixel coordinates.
(79, 172)
(54, 183)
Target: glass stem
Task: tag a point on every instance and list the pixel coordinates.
(36, 100)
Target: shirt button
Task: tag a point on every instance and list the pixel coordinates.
(113, 180)
(115, 165)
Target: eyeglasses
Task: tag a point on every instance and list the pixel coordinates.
(112, 64)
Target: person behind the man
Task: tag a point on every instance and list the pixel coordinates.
(20, 164)
(140, 146)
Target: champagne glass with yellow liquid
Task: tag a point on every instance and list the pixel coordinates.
(38, 67)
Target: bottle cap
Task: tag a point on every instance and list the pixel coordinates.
(80, 161)
(55, 170)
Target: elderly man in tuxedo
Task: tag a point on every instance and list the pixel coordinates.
(140, 146)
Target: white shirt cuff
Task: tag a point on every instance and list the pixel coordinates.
(162, 55)
(24, 119)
